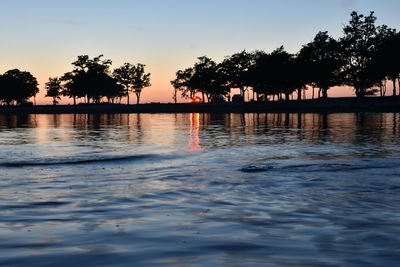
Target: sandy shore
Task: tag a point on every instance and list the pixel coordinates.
(331, 105)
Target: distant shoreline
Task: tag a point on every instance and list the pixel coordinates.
(330, 105)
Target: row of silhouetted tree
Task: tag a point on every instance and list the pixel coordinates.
(90, 79)
(366, 57)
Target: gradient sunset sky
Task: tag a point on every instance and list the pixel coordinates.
(44, 37)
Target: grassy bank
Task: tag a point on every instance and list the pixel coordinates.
(331, 105)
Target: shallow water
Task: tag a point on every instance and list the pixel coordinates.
(200, 189)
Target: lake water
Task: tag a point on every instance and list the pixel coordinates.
(200, 189)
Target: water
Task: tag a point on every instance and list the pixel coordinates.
(200, 189)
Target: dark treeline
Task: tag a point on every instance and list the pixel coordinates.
(90, 79)
(365, 58)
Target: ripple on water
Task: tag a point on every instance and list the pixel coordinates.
(213, 189)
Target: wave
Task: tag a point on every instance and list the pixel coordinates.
(321, 166)
(75, 160)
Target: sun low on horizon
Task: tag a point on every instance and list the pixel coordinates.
(44, 37)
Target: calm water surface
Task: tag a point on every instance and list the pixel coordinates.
(200, 189)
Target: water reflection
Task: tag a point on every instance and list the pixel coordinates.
(205, 130)
(194, 140)
(325, 183)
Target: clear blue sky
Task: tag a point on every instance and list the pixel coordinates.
(44, 37)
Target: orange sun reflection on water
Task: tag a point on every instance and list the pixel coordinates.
(194, 139)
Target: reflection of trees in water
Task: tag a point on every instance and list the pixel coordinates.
(18, 121)
(275, 128)
(116, 127)
(22, 126)
(212, 130)
(56, 121)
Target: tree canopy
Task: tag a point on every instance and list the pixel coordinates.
(17, 87)
(92, 79)
(366, 56)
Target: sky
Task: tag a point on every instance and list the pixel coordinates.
(44, 37)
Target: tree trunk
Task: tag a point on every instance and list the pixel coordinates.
(360, 92)
(175, 96)
(398, 80)
(313, 92)
(137, 97)
(127, 98)
(74, 100)
(394, 86)
(287, 96)
(324, 92)
(382, 88)
(299, 94)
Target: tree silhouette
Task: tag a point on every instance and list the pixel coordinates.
(124, 75)
(17, 86)
(235, 68)
(272, 74)
(90, 78)
(209, 78)
(299, 75)
(54, 89)
(133, 79)
(323, 60)
(205, 77)
(140, 80)
(184, 83)
(384, 64)
(359, 43)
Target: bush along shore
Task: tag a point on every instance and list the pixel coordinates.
(330, 105)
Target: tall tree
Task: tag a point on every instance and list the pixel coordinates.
(384, 64)
(235, 68)
(140, 80)
(209, 78)
(133, 79)
(124, 75)
(184, 83)
(298, 73)
(360, 41)
(54, 89)
(272, 73)
(322, 59)
(17, 86)
(87, 78)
